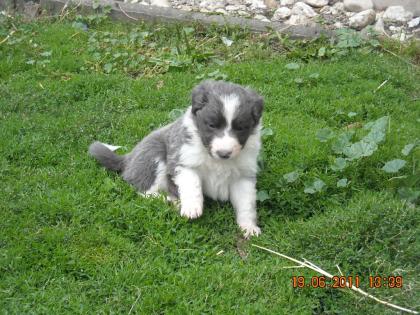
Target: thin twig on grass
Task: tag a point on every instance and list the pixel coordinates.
(64, 12)
(125, 13)
(135, 302)
(7, 37)
(308, 264)
(401, 58)
(381, 85)
(339, 270)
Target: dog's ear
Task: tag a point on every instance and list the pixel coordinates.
(257, 107)
(200, 96)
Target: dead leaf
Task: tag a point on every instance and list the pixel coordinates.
(160, 84)
(354, 125)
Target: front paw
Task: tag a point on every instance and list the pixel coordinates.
(250, 229)
(191, 211)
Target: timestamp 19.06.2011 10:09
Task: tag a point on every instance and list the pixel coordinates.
(337, 282)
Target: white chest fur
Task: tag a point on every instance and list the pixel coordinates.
(217, 177)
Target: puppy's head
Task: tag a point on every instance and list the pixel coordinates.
(225, 114)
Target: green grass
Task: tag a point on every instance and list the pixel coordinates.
(75, 238)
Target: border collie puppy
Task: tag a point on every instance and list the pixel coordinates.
(211, 150)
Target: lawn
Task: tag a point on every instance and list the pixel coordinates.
(75, 238)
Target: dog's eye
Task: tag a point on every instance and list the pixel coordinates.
(211, 125)
(241, 128)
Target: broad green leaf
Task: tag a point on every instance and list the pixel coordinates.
(324, 134)
(376, 136)
(292, 66)
(291, 177)
(351, 114)
(342, 182)
(342, 141)
(393, 166)
(228, 42)
(309, 190)
(321, 52)
(315, 186)
(299, 80)
(266, 132)
(314, 75)
(360, 149)
(407, 148)
(319, 184)
(108, 67)
(339, 164)
(409, 194)
(188, 30)
(262, 195)
(379, 124)
(80, 25)
(217, 75)
(175, 113)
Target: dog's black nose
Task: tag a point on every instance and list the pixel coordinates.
(224, 154)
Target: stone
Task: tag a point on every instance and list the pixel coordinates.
(379, 26)
(338, 25)
(243, 13)
(287, 2)
(185, 8)
(261, 18)
(213, 5)
(414, 22)
(257, 6)
(271, 4)
(160, 3)
(221, 11)
(397, 14)
(339, 6)
(301, 8)
(317, 3)
(357, 5)
(395, 29)
(326, 9)
(282, 13)
(235, 7)
(403, 37)
(298, 20)
(362, 19)
(31, 10)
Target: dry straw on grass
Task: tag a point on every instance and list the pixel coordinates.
(308, 264)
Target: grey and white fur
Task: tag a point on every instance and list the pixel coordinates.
(212, 150)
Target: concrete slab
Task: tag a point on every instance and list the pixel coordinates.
(137, 12)
(410, 5)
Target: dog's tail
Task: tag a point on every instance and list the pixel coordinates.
(106, 157)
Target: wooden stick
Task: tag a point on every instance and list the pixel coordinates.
(381, 85)
(308, 264)
(125, 13)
